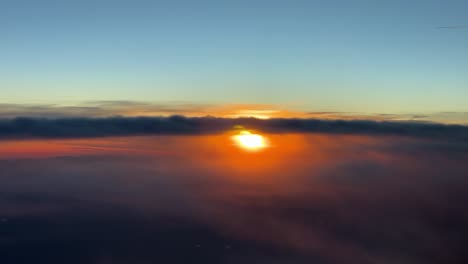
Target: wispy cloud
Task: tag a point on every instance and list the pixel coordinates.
(102, 109)
(453, 27)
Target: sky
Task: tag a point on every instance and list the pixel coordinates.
(367, 57)
(247, 131)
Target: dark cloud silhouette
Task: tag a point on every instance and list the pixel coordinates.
(180, 125)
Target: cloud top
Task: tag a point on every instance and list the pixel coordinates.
(181, 125)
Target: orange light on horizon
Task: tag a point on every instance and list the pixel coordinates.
(248, 141)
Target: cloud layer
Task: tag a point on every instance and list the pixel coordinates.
(324, 199)
(103, 109)
(180, 125)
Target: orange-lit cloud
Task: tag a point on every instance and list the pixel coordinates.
(261, 111)
(338, 197)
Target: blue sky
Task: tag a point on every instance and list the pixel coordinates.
(349, 56)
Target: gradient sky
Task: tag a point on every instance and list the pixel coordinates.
(355, 56)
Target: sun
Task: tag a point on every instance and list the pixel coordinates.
(246, 140)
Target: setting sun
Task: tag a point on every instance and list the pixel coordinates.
(245, 139)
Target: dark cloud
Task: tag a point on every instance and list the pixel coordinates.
(179, 125)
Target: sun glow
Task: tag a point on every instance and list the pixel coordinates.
(246, 140)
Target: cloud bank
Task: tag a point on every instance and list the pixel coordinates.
(180, 125)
